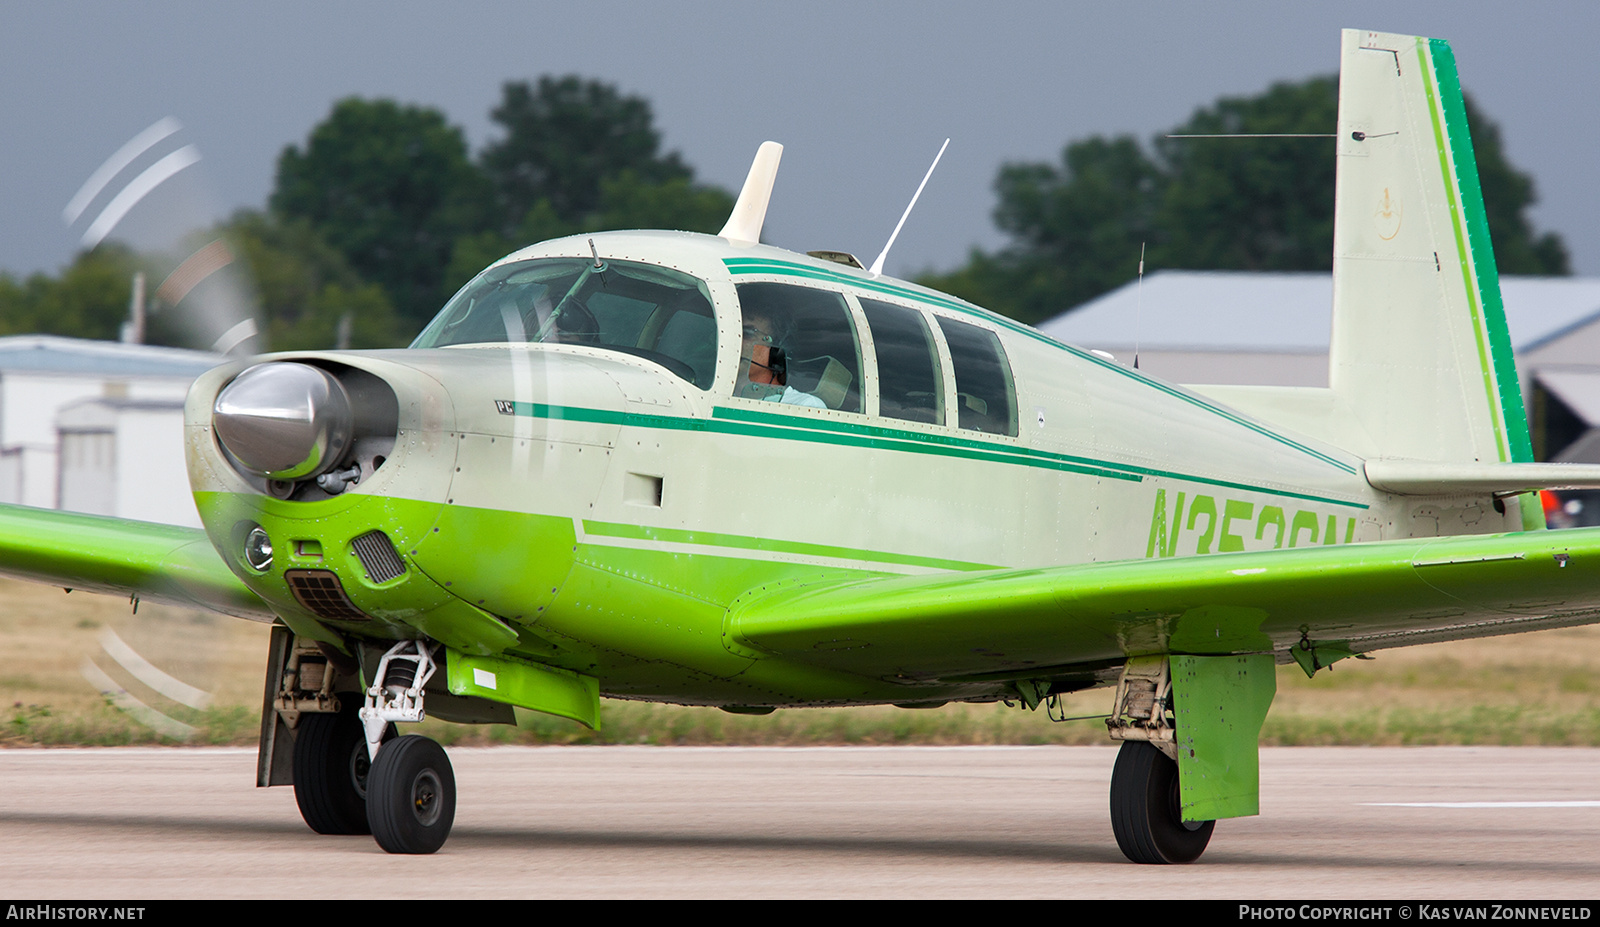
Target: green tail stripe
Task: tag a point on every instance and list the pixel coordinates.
(1500, 369)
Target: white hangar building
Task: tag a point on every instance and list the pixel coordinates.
(1272, 329)
(96, 426)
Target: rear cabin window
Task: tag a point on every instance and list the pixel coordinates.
(985, 395)
(909, 387)
(799, 348)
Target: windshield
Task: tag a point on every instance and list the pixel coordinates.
(639, 309)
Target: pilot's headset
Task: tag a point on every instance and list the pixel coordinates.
(776, 364)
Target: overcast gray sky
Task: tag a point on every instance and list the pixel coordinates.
(860, 93)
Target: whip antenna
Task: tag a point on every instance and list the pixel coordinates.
(1138, 302)
(877, 266)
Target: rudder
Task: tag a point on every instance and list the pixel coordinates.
(1420, 354)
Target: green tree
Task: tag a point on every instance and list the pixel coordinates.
(1507, 194)
(1215, 204)
(1251, 204)
(306, 289)
(631, 201)
(563, 139)
(627, 201)
(1098, 207)
(88, 300)
(391, 187)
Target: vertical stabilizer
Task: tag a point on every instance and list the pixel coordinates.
(1420, 355)
(750, 212)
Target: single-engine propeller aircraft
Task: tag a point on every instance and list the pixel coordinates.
(698, 469)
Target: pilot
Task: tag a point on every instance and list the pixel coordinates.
(764, 375)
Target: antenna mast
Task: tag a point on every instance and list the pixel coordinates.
(1138, 319)
(877, 266)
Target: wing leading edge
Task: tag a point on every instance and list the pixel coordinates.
(1042, 622)
(95, 553)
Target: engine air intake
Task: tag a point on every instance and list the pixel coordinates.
(321, 593)
(378, 557)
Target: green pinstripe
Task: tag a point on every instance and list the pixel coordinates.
(751, 423)
(773, 545)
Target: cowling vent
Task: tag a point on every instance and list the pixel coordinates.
(377, 555)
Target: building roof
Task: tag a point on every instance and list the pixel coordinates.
(54, 354)
(1247, 311)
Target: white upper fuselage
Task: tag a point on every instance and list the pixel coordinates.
(1077, 482)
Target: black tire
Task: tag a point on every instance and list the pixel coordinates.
(411, 796)
(330, 770)
(1145, 808)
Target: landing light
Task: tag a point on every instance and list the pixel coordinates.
(258, 549)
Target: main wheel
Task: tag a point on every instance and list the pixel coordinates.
(331, 768)
(411, 796)
(1146, 811)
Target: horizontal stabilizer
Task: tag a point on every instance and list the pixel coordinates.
(1432, 478)
(96, 553)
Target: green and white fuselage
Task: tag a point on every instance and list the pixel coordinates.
(606, 516)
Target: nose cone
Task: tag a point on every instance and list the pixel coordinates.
(283, 420)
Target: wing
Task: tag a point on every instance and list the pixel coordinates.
(160, 563)
(1073, 620)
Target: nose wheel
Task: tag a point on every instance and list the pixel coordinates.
(331, 770)
(1146, 810)
(411, 796)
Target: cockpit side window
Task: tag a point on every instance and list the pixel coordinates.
(909, 386)
(985, 394)
(799, 347)
(656, 313)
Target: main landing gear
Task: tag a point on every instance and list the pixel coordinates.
(405, 795)
(1146, 811)
(332, 770)
(1146, 805)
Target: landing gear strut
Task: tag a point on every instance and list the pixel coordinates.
(1146, 810)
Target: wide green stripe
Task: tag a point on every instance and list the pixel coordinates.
(771, 545)
(1505, 388)
(1456, 228)
(750, 423)
(775, 267)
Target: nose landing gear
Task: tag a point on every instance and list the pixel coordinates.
(411, 796)
(353, 775)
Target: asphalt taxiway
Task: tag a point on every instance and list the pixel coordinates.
(1408, 823)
